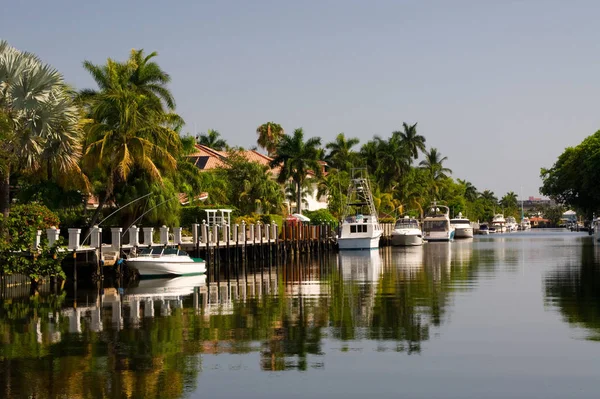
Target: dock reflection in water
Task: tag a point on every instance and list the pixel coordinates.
(346, 313)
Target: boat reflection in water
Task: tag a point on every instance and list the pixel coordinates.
(360, 266)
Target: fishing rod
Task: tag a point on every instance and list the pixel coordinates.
(103, 220)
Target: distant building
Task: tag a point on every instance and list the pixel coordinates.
(536, 202)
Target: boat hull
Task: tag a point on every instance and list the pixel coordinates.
(406, 239)
(358, 242)
(463, 232)
(439, 236)
(158, 267)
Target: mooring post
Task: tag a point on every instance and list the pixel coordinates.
(148, 239)
(53, 235)
(164, 235)
(134, 236)
(177, 239)
(245, 240)
(115, 233)
(195, 238)
(74, 236)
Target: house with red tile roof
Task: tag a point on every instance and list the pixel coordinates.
(206, 158)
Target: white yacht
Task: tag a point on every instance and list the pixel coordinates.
(511, 224)
(525, 224)
(407, 232)
(436, 226)
(499, 223)
(164, 261)
(360, 226)
(463, 227)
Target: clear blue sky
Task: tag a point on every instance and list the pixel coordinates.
(500, 87)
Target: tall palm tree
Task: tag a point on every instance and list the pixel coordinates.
(434, 165)
(129, 127)
(212, 138)
(269, 135)
(489, 196)
(297, 159)
(411, 139)
(470, 190)
(510, 201)
(341, 156)
(138, 73)
(40, 119)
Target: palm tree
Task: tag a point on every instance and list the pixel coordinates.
(269, 135)
(212, 139)
(470, 190)
(340, 154)
(40, 120)
(510, 201)
(297, 159)
(489, 196)
(129, 128)
(434, 165)
(138, 73)
(411, 139)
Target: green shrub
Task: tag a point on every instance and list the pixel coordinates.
(18, 253)
(320, 216)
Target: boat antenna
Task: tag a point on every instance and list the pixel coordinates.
(103, 220)
(144, 214)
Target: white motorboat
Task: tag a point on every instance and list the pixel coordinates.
(596, 227)
(407, 232)
(463, 227)
(511, 224)
(525, 224)
(436, 226)
(360, 226)
(163, 261)
(499, 223)
(483, 229)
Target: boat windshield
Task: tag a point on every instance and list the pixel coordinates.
(150, 251)
(170, 251)
(435, 225)
(459, 221)
(406, 224)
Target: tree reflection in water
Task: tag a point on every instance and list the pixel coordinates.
(149, 340)
(575, 290)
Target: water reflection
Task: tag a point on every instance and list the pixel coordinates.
(574, 289)
(149, 340)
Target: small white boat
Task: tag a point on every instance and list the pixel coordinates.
(525, 224)
(462, 226)
(499, 223)
(360, 226)
(436, 226)
(511, 224)
(483, 229)
(407, 232)
(596, 227)
(163, 261)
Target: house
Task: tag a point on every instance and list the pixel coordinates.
(206, 158)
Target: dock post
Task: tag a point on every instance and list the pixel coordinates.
(245, 241)
(134, 236)
(195, 238)
(177, 235)
(74, 237)
(236, 229)
(115, 241)
(148, 236)
(38, 239)
(164, 235)
(53, 235)
(96, 237)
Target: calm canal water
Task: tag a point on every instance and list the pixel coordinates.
(501, 316)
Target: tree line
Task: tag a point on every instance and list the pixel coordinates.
(123, 139)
